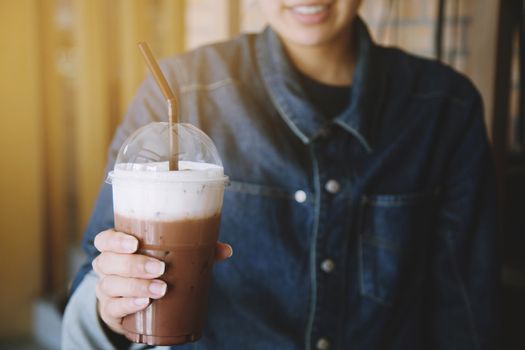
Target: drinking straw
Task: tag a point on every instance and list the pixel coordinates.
(171, 100)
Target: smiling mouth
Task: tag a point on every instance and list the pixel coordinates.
(309, 9)
(310, 14)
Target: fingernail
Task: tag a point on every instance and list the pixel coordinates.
(155, 267)
(141, 301)
(231, 251)
(129, 244)
(157, 288)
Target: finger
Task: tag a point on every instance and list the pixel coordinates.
(129, 265)
(223, 251)
(94, 265)
(116, 308)
(116, 242)
(116, 286)
(115, 324)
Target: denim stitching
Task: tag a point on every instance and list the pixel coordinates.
(180, 72)
(360, 263)
(360, 247)
(356, 134)
(250, 188)
(394, 200)
(377, 299)
(344, 270)
(277, 101)
(313, 251)
(379, 242)
(361, 274)
(208, 87)
(288, 119)
(464, 294)
(266, 191)
(360, 257)
(435, 94)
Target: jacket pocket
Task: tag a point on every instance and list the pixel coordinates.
(392, 240)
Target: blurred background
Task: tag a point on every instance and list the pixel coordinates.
(69, 68)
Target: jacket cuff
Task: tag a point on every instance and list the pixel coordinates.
(81, 325)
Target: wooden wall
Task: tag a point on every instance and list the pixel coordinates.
(22, 157)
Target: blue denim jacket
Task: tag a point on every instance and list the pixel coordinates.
(374, 230)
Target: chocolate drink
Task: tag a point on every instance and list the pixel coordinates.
(175, 215)
(188, 249)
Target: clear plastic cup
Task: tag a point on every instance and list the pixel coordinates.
(175, 215)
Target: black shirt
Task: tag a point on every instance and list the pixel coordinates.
(329, 100)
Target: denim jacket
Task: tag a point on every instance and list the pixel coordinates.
(373, 230)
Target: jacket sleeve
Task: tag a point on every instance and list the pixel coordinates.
(82, 328)
(463, 294)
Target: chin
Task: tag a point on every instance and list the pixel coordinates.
(308, 37)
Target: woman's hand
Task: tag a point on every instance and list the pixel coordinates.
(128, 281)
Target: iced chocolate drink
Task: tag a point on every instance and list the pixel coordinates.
(176, 216)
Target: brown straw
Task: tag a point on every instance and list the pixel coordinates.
(170, 99)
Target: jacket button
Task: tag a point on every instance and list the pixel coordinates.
(300, 196)
(328, 265)
(332, 186)
(323, 344)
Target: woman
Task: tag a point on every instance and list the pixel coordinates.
(362, 200)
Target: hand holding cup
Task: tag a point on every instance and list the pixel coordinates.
(128, 281)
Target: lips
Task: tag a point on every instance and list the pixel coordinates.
(310, 14)
(309, 9)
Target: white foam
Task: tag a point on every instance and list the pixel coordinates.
(150, 191)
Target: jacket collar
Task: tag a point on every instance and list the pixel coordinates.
(284, 87)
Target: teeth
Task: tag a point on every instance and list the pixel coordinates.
(309, 10)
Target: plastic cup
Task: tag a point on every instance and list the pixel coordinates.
(175, 215)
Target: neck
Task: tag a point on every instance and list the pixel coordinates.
(331, 63)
